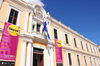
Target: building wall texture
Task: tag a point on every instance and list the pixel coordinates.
(29, 15)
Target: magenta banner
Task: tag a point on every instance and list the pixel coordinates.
(9, 40)
(58, 49)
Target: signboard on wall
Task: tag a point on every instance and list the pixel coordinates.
(58, 50)
(9, 40)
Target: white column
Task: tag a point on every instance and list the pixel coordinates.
(48, 57)
(41, 28)
(35, 26)
(30, 23)
(50, 29)
(32, 56)
(26, 21)
(1, 3)
(29, 50)
(23, 54)
(45, 56)
(52, 57)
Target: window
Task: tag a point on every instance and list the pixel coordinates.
(91, 61)
(75, 42)
(0, 3)
(69, 56)
(13, 16)
(33, 27)
(55, 34)
(78, 60)
(81, 44)
(66, 38)
(91, 48)
(87, 47)
(38, 27)
(85, 60)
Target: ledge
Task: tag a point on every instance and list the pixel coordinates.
(73, 50)
(41, 38)
(37, 37)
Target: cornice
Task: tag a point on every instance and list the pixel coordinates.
(70, 30)
(73, 50)
(22, 4)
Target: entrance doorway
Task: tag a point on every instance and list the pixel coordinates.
(38, 57)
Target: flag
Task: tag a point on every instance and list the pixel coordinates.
(45, 29)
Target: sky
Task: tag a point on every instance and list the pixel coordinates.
(83, 16)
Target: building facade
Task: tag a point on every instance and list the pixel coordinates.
(34, 48)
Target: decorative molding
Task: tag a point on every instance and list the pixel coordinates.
(36, 37)
(38, 46)
(38, 19)
(30, 38)
(15, 5)
(22, 4)
(73, 50)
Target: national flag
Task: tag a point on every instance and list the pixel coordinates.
(45, 29)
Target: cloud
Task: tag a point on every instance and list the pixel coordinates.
(36, 2)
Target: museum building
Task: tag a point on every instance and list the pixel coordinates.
(34, 48)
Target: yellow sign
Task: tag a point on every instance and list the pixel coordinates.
(13, 30)
(59, 43)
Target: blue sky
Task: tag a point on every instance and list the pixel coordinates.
(82, 16)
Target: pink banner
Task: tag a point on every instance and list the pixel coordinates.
(9, 40)
(58, 49)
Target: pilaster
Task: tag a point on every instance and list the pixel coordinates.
(29, 54)
(26, 21)
(30, 23)
(23, 54)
